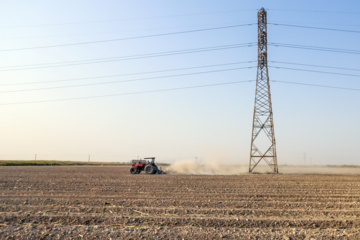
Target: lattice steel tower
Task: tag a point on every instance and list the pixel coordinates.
(263, 146)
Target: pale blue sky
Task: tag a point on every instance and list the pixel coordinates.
(312, 124)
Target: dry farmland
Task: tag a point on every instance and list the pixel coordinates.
(90, 202)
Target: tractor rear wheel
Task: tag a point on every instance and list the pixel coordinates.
(134, 170)
(150, 169)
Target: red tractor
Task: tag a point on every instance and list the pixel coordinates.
(148, 165)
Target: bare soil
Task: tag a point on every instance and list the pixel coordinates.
(92, 202)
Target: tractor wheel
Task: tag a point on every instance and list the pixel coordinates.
(150, 169)
(134, 170)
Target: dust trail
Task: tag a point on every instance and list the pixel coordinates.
(190, 166)
(217, 167)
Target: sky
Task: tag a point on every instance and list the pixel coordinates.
(174, 80)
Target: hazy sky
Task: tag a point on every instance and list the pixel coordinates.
(53, 50)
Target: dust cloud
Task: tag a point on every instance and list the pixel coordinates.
(216, 167)
(210, 167)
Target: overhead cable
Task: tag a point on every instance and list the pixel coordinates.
(319, 66)
(316, 85)
(174, 89)
(307, 70)
(128, 80)
(317, 28)
(126, 74)
(339, 50)
(123, 58)
(312, 11)
(128, 38)
(124, 19)
(130, 93)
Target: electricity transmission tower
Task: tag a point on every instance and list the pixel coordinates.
(263, 146)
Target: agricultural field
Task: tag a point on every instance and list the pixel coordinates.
(52, 163)
(106, 202)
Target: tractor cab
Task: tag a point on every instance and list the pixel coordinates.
(150, 160)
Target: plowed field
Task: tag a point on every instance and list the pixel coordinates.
(92, 202)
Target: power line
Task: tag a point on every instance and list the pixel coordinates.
(174, 89)
(191, 50)
(317, 28)
(130, 93)
(312, 65)
(128, 38)
(312, 11)
(338, 50)
(306, 70)
(125, 19)
(317, 85)
(127, 74)
(169, 53)
(128, 80)
(97, 33)
(123, 58)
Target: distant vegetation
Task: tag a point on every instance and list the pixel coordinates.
(52, 163)
(344, 166)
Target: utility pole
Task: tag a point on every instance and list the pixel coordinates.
(263, 146)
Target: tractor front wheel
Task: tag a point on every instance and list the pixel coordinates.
(150, 169)
(134, 170)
